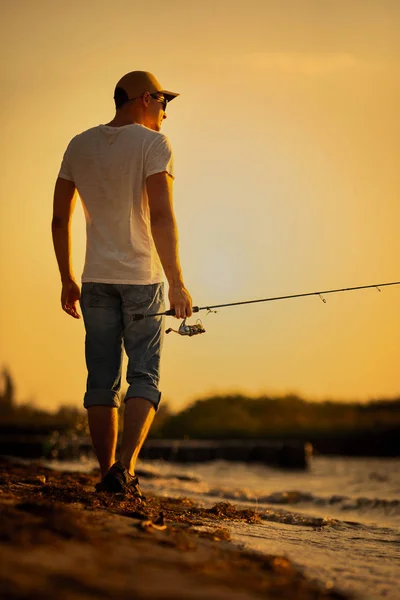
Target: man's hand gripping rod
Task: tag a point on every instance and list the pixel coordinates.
(168, 313)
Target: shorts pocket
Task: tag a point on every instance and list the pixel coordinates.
(136, 295)
(104, 295)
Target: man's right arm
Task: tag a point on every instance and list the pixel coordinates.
(165, 235)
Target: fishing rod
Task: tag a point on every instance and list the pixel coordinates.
(198, 328)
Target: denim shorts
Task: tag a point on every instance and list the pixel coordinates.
(107, 309)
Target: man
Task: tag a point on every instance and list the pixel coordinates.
(123, 172)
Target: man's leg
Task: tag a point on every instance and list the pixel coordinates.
(101, 310)
(143, 343)
(103, 425)
(138, 417)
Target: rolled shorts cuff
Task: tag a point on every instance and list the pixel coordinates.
(137, 390)
(102, 397)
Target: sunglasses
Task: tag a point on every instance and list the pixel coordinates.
(160, 99)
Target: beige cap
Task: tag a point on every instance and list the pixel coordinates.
(136, 83)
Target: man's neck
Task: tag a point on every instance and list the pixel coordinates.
(126, 117)
(120, 122)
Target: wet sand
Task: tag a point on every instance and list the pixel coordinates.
(60, 539)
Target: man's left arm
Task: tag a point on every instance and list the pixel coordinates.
(63, 207)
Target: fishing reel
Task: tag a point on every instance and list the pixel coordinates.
(188, 329)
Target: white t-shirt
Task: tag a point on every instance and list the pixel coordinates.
(109, 166)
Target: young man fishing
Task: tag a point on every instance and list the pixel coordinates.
(123, 172)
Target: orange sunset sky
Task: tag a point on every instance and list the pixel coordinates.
(286, 138)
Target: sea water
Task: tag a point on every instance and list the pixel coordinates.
(339, 521)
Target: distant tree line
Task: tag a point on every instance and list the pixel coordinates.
(238, 416)
(7, 397)
(25, 414)
(225, 416)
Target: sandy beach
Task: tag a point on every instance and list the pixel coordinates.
(60, 539)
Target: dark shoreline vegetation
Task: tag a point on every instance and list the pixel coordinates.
(352, 428)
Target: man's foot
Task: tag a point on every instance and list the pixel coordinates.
(118, 480)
